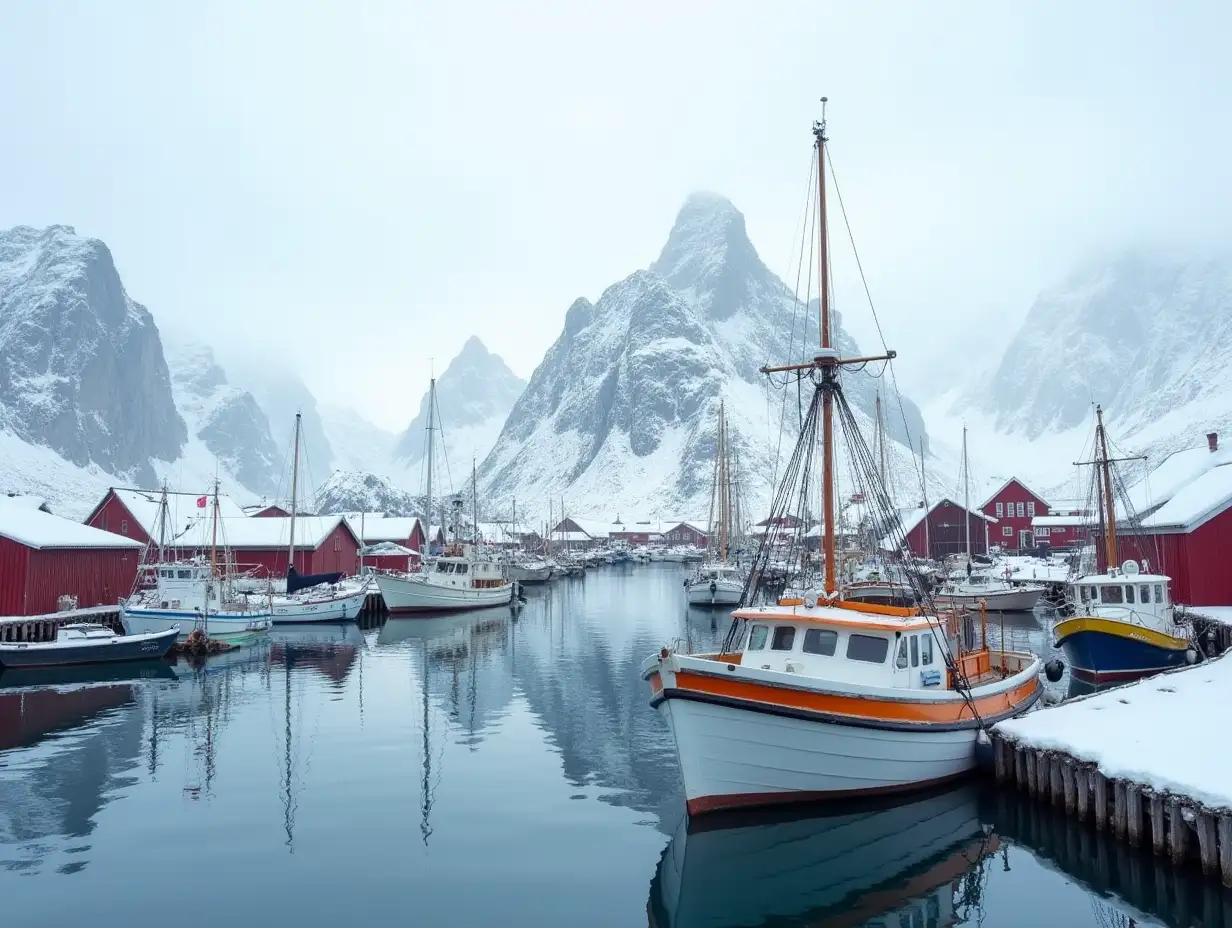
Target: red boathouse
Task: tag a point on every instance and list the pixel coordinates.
(1014, 505)
(942, 533)
(44, 557)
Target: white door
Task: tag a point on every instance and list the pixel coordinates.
(1024, 538)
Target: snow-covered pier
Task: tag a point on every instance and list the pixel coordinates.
(1148, 762)
(45, 627)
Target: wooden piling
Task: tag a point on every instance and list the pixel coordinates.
(1225, 849)
(1119, 808)
(1100, 801)
(1178, 831)
(1041, 773)
(1208, 847)
(998, 754)
(1057, 784)
(1068, 786)
(1031, 774)
(1020, 768)
(1133, 814)
(1159, 839)
(1082, 789)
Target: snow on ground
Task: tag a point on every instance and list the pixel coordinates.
(33, 470)
(1156, 732)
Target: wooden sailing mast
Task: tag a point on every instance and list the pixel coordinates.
(1105, 497)
(827, 361)
(294, 494)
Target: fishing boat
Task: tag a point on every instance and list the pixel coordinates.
(812, 696)
(717, 581)
(87, 643)
(460, 578)
(530, 570)
(979, 589)
(871, 863)
(312, 597)
(1124, 625)
(193, 593)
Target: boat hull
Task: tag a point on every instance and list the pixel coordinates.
(1100, 649)
(531, 574)
(1022, 600)
(235, 629)
(879, 592)
(338, 609)
(715, 593)
(407, 596)
(103, 651)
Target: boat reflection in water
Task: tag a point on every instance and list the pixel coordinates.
(868, 863)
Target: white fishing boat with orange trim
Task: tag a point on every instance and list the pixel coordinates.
(816, 697)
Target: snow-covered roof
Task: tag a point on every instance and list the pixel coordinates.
(997, 492)
(1060, 521)
(386, 549)
(1176, 472)
(1196, 502)
(594, 528)
(912, 517)
(698, 527)
(34, 528)
(271, 532)
(182, 508)
(383, 528)
(30, 502)
(571, 537)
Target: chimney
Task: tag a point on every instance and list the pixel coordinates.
(1212, 441)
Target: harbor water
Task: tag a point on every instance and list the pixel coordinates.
(494, 768)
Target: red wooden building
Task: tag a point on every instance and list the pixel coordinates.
(323, 544)
(134, 513)
(265, 511)
(941, 532)
(44, 557)
(1187, 526)
(1062, 532)
(1014, 505)
(687, 533)
(388, 555)
(392, 542)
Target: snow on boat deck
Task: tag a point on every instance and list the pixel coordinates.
(1158, 733)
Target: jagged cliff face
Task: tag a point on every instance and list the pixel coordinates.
(1144, 336)
(621, 411)
(356, 491)
(474, 396)
(225, 418)
(81, 364)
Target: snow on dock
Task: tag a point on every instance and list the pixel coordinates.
(1147, 760)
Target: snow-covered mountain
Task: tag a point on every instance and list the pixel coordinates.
(281, 394)
(474, 396)
(1145, 336)
(357, 491)
(225, 419)
(620, 414)
(357, 444)
(81, 364)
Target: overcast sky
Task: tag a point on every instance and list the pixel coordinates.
(359, 187)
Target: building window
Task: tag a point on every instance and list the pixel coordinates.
(1021, 511)
(337, 544)
(1007, 531)
(124, 526)
(1041, 532)
(1058, 531)
(1031, 509)
(1000, 510)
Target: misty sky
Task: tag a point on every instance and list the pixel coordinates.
(358, 187)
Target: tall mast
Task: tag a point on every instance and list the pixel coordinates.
(928, 551)
(517, 539)
(294, 494)
(723, 501)
(1105, 468)
(474, 503)
(213, 559)
(966, 494)
(881, 449)
(827, 358)
(428, 489)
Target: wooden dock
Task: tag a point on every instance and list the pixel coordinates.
(44, 627)
(1177, 827)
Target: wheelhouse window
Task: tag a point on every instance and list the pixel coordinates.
(757, 637)
(184, 574)
(1084, 593)
(1129, 594)
(871, 649)
(926, 649)
(784, 638)
(820, 641)
(1144, 592)
(1111, 594)
(915, 650)
(1159, 592)
(901, 660)
(463, 568)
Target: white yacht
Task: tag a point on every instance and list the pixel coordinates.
(187, 594)
(716, 584)
(459, 580)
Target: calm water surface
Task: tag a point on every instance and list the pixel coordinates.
(490, 769)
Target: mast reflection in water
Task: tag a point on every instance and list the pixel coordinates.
(495, 767)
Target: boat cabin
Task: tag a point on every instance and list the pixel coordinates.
(846, 651)
(84, 631)
(180, 585)
(1124, 591)
(457, 567)
(719, 572)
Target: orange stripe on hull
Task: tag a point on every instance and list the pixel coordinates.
(856, 707)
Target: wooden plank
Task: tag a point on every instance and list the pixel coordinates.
(1178, 832)
(1068, 786)
(1082, 791)
(999, 748)
(1031, 773)
(1041, 773)
(1118, 809)
(1100, 801)
(1208, 846)
(1133, 814)
(1056, 785)
(1159, 837)
(1225, 849)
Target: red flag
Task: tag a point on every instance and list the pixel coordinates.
(201, 501)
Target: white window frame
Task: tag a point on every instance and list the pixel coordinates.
(1007, 531)
(1021, 511)
(1031, 509)
(1000, 510)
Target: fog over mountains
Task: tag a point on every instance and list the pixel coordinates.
(619, 414)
